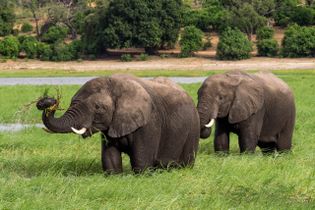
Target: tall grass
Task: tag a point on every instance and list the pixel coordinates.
(43, 171)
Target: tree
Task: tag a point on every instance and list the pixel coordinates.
(7, 18)
(247, 19)
(151, 24)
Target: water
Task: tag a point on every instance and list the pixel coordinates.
(16, 127)
(78, 80)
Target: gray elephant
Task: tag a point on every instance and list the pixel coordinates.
(154, 121)
(259, 108)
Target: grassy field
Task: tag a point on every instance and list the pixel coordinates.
(43, 171)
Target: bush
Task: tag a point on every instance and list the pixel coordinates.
(9, 46)
(75, 48)
(61, 52)
(233, 45)
(143, 57)
(44, 51)
(55, 34)
(29, 45)
(303, 16)
(126, 58)
(191, 41)
(26, 27)
(268, 47)
(299, 41)
(265, 33)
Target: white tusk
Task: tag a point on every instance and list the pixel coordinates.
(210, 124)
(80, 132)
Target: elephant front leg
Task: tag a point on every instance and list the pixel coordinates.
(111, 159)
(222, 138)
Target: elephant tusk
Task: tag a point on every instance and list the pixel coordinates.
(80, 132)
(210, 124)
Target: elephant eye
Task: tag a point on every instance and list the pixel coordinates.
(220, 98)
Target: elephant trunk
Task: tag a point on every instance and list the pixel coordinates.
(207, 116)
(58, 125)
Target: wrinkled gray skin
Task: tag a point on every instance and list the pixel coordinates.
(259, 108)
(154, 122)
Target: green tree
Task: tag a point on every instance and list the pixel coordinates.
(247, 19)
(151, 24)
(191, 41)
(233, 45)
(7, 17)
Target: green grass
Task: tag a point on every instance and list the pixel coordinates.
(44, 171)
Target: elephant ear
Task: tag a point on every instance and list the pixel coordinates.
(249, 98)
(133, 106)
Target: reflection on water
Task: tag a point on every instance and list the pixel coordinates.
(15, 127)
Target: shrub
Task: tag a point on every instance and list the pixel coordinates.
(29, 45)
(61, 52)
(299, 41)
(265, 33)
(143, 56)
(126, 58)
(54, 34)
(191, 41)
(303, 16)
(26, 27)
(233, 45)
(44, 51)
(268, 47)
(9, 46)
(75, 48)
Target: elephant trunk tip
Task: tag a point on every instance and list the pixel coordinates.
(46, 103)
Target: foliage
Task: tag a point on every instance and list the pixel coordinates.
(143, 56)
(75, 48)
(26, 27)
(191, 41)
(303, 16)
(233, 45)
(137, 23)
(247, 19)
(29, 45)
(126, 58)
(284, 11)
(268, 47)
(299, 41)
(44, 51)
(55, 34)
(7, 18)
(61, 52)
(265, 33)
(9, 46)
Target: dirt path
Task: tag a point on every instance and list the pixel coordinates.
(157, 63)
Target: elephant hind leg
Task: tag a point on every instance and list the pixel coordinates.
(267, 147)
(284, 142)
(189, 152)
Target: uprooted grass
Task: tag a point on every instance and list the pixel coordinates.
(43, 171)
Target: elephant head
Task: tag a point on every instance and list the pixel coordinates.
(234, 95)
(113, 105)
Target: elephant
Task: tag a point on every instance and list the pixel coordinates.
(259, 108)
(155, 122)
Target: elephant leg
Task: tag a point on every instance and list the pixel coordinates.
(111, 159)
(267, 147)
(284, 141)
(190, 150)
(222, 137)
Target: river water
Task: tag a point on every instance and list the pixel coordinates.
(78, 80)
